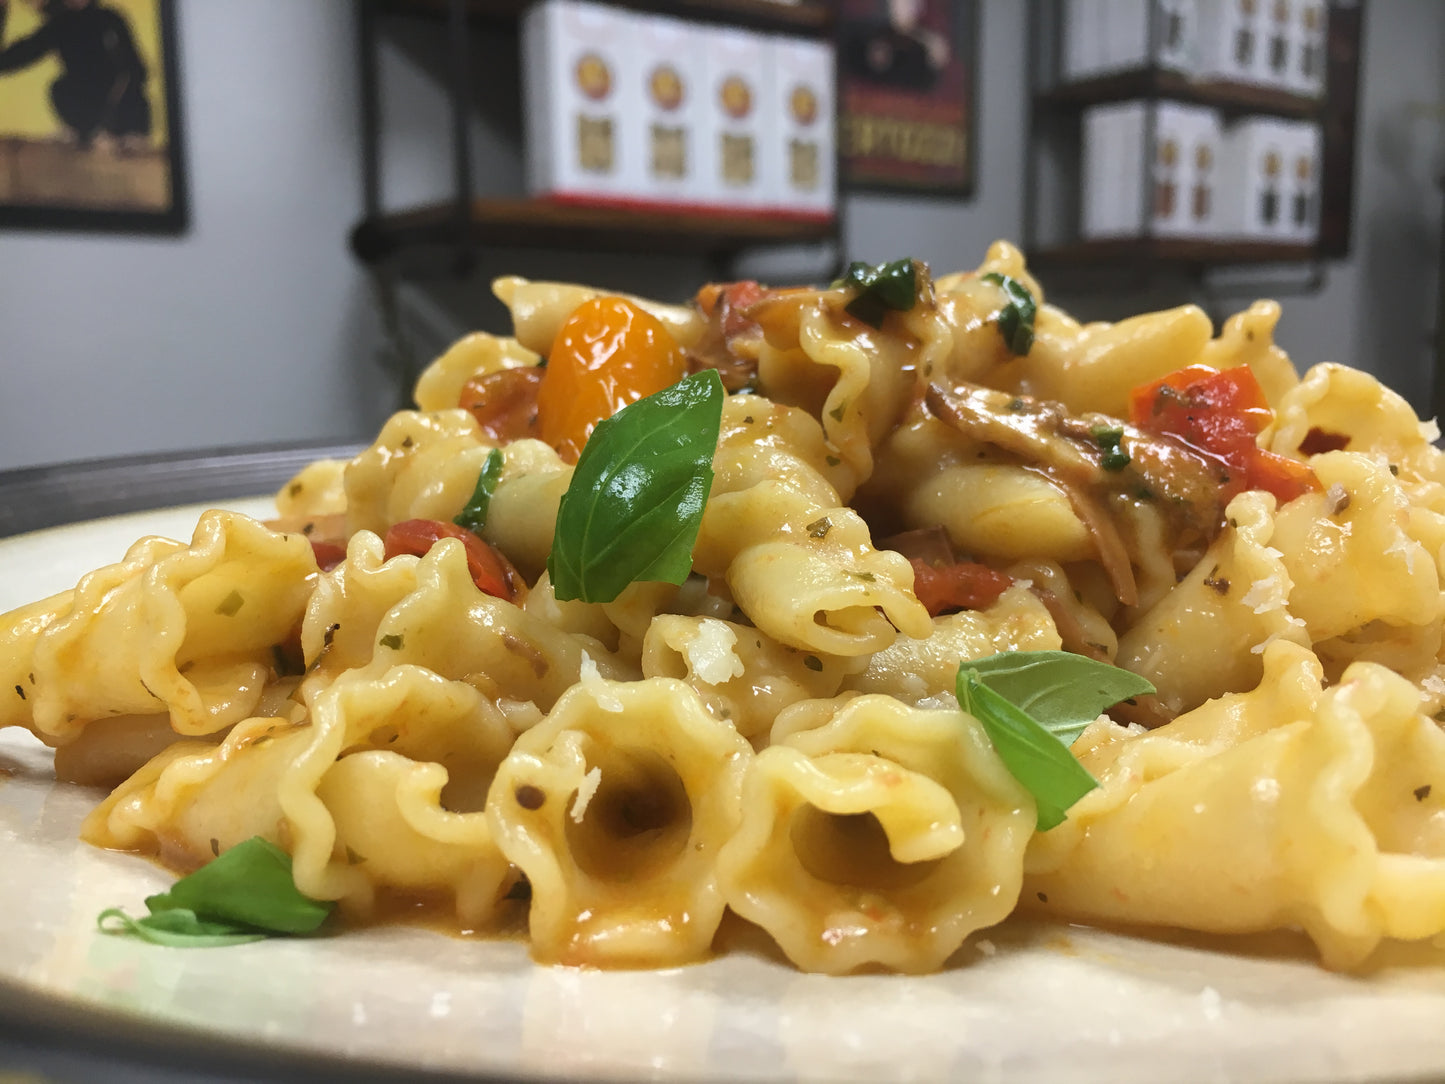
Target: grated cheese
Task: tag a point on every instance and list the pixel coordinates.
(585, 792)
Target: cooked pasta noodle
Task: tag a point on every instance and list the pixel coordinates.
(400, 683)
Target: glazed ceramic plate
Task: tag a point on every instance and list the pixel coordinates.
(1025, 1002)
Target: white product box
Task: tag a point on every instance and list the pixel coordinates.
(1111, 202)
(1103, 36)
(745, 166)
(1182, 177)
(803, 104)
(581, 112)
(1307, 72)
(678, 142)
(1302, 168)
(1280, 41)
(1232, 41)
(1269, 187)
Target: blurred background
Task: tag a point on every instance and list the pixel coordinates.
(231, 222)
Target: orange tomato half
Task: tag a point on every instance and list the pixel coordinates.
(607, 354)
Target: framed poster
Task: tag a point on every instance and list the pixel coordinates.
(906, 71)
(90, 123)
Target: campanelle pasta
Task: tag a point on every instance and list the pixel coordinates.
(901, 482)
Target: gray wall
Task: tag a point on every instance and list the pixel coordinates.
(257, 325)
(253, 326)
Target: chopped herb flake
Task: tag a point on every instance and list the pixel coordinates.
(1016, 318)
(887, 286)
(230, 604)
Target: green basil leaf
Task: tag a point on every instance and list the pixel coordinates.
(176, 928)
(888, 286)
(1061, 691)
(1037, 759)
(249, 885)
(1016, 318)
(634, 505)
(474, 516)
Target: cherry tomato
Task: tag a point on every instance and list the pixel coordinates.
(491, 571)
(504, 402)
(1221, 413)
(607, 354)
(963, 585)
(328, 554)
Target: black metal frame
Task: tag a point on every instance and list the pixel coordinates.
(32, 498)
(176, 218)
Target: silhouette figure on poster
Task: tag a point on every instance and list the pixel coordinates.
(101, 90)
(896, 50)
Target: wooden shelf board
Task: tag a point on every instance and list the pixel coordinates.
(527, 223)
(1234, 98)
(812, 17)
(1133, 252)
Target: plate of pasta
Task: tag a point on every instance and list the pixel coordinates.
(892, 680)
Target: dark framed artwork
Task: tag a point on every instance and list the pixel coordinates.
(90, 117)
(906, 95)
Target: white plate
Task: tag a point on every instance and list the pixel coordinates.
(1029, 1002)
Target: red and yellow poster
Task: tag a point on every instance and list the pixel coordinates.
(906, 94)
(88, 115)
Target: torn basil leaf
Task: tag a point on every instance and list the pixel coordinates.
(177, 928)
(635, 502)
(1036, 758)
(1016, 318)
(888, 286)
(1062, 691)
(474, 516)
(244, 894)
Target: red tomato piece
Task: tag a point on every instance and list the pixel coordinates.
(504, 402)
(328, 554)
(963, 585)
(1221, 413)
(491, 571)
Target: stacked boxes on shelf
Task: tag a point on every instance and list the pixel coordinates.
(1277, 43)
(637, 108)
(1182, 175)
(1271, 170)
(1160, 168)
(1254, 180)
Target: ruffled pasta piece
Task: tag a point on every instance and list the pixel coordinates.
(440, 385)
(382, 790)
(1094, 367)
(20, 630)
(192, 630)
(540, 308)
(421, 466)
(740, 674)
(931, 474)
(884, 836)
(1205, 638)
(194, 799)
(1363, 416)
(856, 380)
(1349, 553)
(1285, 806)
(919, 670)
(522, 517)
(1248, 339)
(804, 571)
(427, 612)
(317, 489)
(615, 807)
(969, 307)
